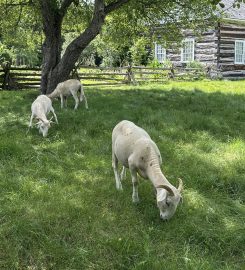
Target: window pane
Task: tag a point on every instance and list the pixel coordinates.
(160, 53)
(188, 51)
(239, 51)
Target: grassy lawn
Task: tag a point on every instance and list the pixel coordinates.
(59, 208)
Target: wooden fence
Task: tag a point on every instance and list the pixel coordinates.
(21, 78)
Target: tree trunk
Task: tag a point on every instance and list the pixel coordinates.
(56, 69)
(51, 57)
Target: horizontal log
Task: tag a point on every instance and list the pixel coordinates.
(28, 83)
(205, 45)
(228, 58)
(104, 84)
(100, 78)
(146, 73)
(29, 86)
(228, 34)
(231, 25)
(227, 41)
(151, 79)
(235, 78)
(26, 79)
(234, 73)
(103, 68)
(103, 73)
(24, 68)
(226, 55)
(148, 68)
(25, 74)
(227, 67)
(228, 46)
(201, 57)
(207, 51)
(208, 39)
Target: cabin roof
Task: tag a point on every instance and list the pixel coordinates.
(233, 13)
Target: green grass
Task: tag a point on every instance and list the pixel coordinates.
(59, 208)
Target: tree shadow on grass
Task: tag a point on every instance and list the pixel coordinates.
(60, 205)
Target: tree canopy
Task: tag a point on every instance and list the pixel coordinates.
(32, 26)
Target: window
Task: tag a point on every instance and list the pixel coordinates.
(240, 52)
(160, 53)
(187, 50)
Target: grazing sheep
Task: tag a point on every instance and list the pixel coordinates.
(40, 108)
(133, 147)
(69, 87)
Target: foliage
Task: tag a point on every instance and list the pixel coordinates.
(139, 52)
(87, 57)
(21, 31)
(59, 206)
(6, 54)
(122, 32)
(194, 64)
(154, 63)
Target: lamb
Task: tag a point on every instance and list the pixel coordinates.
(69, 87)
(133, 147)
(40, 108)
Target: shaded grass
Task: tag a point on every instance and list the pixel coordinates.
(59, 206)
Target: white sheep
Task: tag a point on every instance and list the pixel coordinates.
(67, 88)
(133, 147)
(40, 108)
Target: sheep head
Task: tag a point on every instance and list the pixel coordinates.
(43, 126)
(168, 199)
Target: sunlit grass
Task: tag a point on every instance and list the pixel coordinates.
(59, 206)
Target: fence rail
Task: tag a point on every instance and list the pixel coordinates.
(21, 77)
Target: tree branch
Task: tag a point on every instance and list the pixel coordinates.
(115, 5)
(64, 6)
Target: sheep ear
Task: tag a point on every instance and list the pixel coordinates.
(168, 188)
(180, 187)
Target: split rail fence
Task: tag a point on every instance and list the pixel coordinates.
(22, 78)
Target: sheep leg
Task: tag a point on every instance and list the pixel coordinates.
(116, 173)
(123, 173)
(82, 96)
(30, 124)
(135, 196)
(52, 110)
(76, 100)
(65, 101)
(62, 101)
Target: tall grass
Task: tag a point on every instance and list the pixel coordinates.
(59, 208)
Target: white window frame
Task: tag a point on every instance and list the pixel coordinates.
(192, 40)
(242, 62)
(160, 51)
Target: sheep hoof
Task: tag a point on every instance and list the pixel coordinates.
(135, 199)
(119, 187)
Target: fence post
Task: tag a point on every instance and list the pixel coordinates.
(171, 73)
(130, 75)
(6, 75)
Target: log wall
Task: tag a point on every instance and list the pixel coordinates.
(216, 48)
(205, 51)
(228, 33)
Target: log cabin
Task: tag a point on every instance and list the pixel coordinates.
(221, 47)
